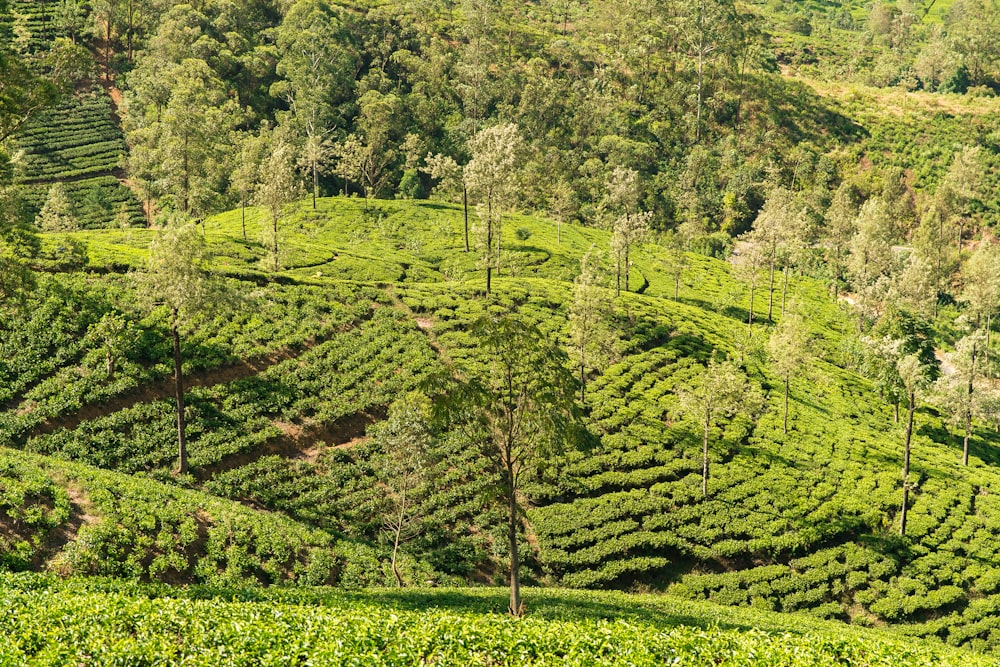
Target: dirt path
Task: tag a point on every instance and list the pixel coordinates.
(163, 389)
(302, 441)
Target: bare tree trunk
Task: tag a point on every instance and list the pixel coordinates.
(770, 294)
(395, 543)
(784, 291)
(315, 171)
(627, 267)
(489, 243)
(516, 609)
(243, 215)
(465, 211)
(179, 394)
(968, 407)
(704, 461)
(274, 240)
(677, 286)
(786, 404)
(906, 463)
(986, 352)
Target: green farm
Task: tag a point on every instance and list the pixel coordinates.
(494, 333)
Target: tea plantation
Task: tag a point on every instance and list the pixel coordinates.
(102, 622)
(374, 301)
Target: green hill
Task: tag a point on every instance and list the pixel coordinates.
(282, 391)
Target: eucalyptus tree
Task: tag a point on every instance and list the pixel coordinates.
(591, 340)
(719, 392)
(516, 402)
(492, 175)
(177, 278)
(789, 351)
(277, 186)
(318, 62)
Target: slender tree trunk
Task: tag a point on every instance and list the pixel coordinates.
(986, 351)
(179, 395)
(583, 381)
(750, 316)
(677, 286)
(558, 231)
(704, 460)
(968, 407)
(701, 69)
(243, 215)
(618, 274)
(770, 293)
(784, 290)
(895, 405)
(515, 563)
(395, 543)
(465, 212)
(489, 243)
(906, 462)
(499, 230)
(274, 240)
(315, 170)
(786, 404)
(627, 267)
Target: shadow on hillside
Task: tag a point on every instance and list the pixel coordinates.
(548, 605)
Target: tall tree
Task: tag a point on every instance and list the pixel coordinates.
(981, 291)
(519, 402)
(840, 227)
(913, 373)
(956, 391)
(589, 331)
(789, 348)
(317, 63)
(777, 231)
(404, 438)
(719, 392)
(277, 187)
(630, 225)
(177, 278)
(492, 175)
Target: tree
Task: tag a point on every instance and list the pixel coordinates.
(871, 257)
(674, 260)
(277, 187)
(777, 230)
(246, 175)
(719, 392)
(404, 438)
(630, 225)
(840, 227)
(981, 291)
(914, 375)
(747, 268)
(317, 63)
(960, 187)
(113, 337)
(491, 174)
(589, 333)
(349, 154)
(518, 404)
(105, 16)
(562, 205)
(789, 348)
(57, 212)
(956, 392)
(177, 278)
(186, 147)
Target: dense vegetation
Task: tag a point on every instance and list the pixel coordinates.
(101, 622)
(694, 297)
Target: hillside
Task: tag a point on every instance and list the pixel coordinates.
(690, 303)
(282, 394)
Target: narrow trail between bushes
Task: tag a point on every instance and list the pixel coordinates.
(164, 389)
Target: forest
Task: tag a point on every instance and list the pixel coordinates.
(496, 332)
